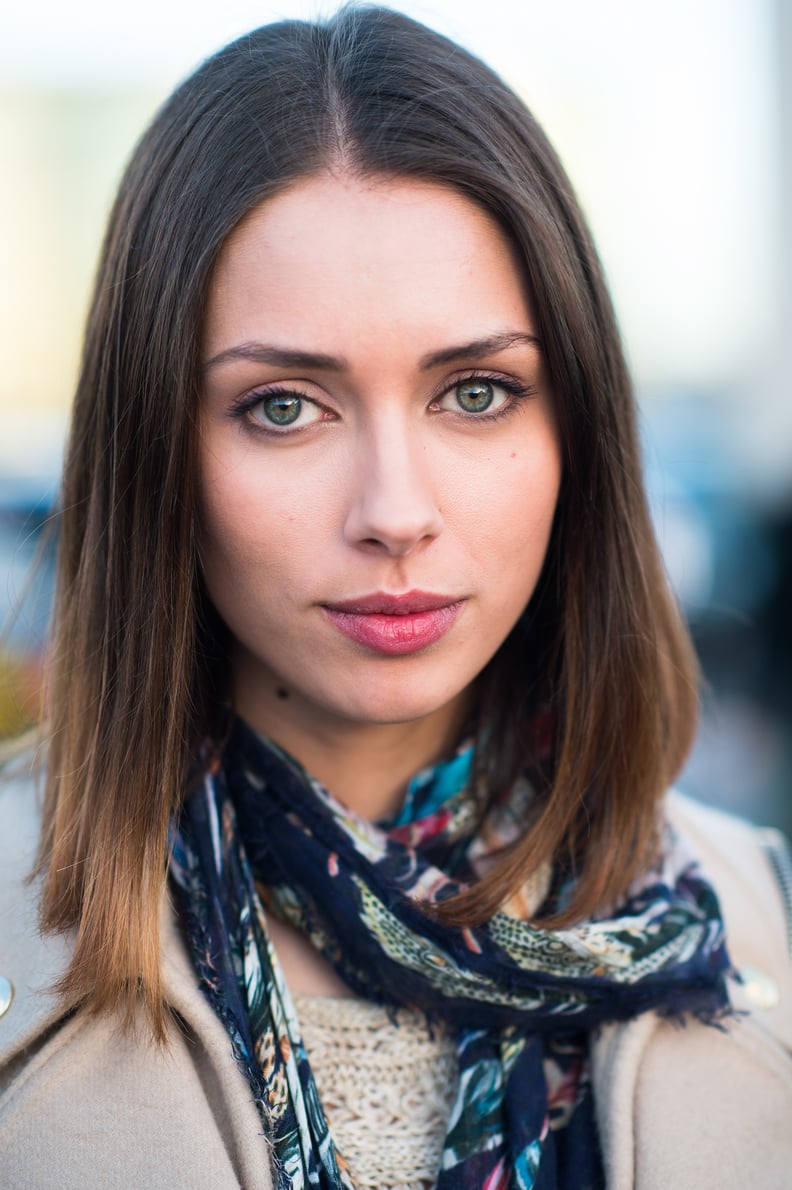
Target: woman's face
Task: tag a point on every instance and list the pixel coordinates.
(379, 456)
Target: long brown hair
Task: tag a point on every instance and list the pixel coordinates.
(137, 655)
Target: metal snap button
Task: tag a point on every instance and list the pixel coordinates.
(760, 989)
(6, 994)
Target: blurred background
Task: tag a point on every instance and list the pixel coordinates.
(675, 124)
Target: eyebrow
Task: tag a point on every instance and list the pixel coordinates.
(491, 345)
(281, 357)
(285, 357)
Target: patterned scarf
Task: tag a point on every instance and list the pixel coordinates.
(521, 1000)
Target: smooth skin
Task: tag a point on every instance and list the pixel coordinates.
(375, 419)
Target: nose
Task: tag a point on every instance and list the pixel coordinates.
(394, 507)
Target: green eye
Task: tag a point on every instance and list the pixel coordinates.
(282, 409)
(284, 412)
(474, 396)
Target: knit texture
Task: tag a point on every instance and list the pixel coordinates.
(387, 1082)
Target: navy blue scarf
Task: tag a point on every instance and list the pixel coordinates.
(521, 1000)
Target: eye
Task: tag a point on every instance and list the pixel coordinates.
(475, 396)
(283, 410)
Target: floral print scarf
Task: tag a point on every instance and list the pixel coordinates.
(260, 832)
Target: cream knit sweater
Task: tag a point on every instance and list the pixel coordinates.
(387, 1084)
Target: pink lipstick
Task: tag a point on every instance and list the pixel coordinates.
(395, 624)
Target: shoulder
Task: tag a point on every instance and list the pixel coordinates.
(751, 870)
(29, 963)
(76, 1093)
(750, 861)
(697, 1106)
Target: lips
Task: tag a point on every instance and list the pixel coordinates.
(395, 625)
(411, 603)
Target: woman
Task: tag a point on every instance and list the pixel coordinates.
(352, 503)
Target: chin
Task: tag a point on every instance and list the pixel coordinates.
(382, 704)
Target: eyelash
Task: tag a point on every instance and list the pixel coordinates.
(514, 388)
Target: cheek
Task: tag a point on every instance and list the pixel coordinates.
(233, 517)
(508, 508)
(251, 517)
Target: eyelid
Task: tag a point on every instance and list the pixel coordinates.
(515, 388)
(253, 396)
(242, 408)
(512, 385)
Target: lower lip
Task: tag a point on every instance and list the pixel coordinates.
(395, 636)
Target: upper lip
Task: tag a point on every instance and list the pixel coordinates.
(380, 603)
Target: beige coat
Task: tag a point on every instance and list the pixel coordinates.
(680, 1108)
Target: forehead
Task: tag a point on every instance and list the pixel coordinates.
(340, 257)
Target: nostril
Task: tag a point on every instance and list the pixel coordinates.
(393, 510)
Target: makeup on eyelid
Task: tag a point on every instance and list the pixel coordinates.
(289, 401)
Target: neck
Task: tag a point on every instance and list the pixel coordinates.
(365, 766)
